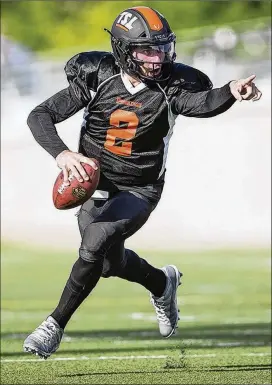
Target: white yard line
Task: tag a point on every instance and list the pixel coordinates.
(192, 342)
(158, 357)
(84, 358)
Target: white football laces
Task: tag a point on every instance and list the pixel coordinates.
(64, 186)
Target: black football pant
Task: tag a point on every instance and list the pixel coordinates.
(104, 227)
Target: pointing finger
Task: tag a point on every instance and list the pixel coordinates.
(248, 80)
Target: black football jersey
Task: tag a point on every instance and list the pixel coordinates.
(128, 128)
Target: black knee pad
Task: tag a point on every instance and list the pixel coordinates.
(94, 241)
(87, 213)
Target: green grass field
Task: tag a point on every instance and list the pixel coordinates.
(223, 336)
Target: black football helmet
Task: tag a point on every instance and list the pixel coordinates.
(145, 28)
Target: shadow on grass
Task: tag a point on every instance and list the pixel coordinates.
(109, 373)
(233, 368)
(197, 337)
(209, 369)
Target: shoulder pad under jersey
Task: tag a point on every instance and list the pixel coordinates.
(86, 70)
(190, 78)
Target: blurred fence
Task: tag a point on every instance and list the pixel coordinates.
(218, 190)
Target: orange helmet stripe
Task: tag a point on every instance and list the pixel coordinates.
(122, 26)
(151, 17)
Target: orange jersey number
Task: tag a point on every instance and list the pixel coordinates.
(125, 124)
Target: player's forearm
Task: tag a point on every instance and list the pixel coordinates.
(217, 101)
(206, 104)
(43, 118)
(44, 131)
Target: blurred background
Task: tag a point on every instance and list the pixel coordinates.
(218, 183)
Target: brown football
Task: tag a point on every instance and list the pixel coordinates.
(68, 197)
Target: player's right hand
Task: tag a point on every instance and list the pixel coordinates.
(70, 163)
(245, 89)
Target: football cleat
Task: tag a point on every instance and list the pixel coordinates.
(166, 306)
(45, 340)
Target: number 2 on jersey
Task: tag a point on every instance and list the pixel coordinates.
(118, 138)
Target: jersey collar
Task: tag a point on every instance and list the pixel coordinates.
(130, 88)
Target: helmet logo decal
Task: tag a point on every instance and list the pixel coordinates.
(126, 21)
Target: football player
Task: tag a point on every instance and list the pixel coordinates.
(131, 98)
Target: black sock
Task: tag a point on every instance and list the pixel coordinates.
(83, 278)
(139, 270)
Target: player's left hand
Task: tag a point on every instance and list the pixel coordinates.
(245, 89)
